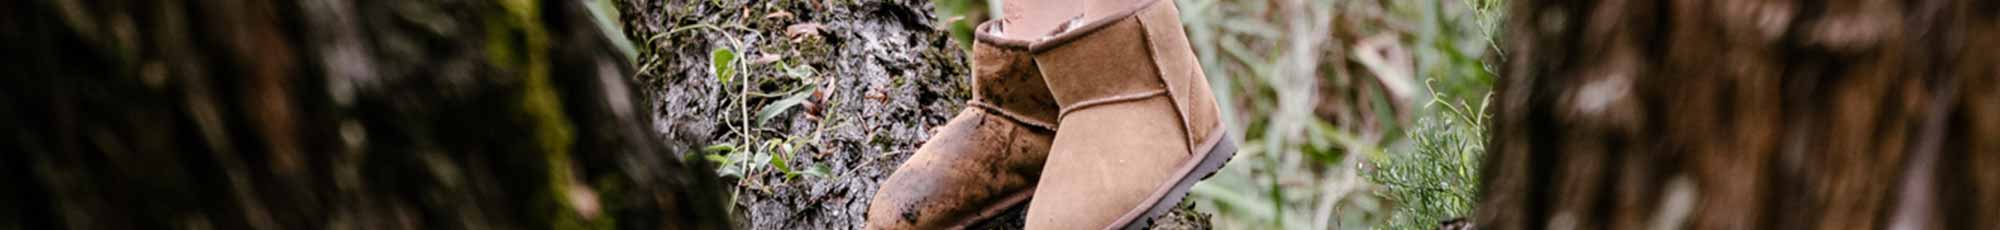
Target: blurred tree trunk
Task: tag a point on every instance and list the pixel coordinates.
(1747, 114)
(341, 114)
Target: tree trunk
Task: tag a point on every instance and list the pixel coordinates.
(1747, 114)
(342, 114)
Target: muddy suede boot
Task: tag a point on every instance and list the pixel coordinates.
(1139, 124)
(986, 159)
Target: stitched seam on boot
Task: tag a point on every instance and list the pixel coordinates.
(1011, 115)
(1085, 104)
(1174, 91)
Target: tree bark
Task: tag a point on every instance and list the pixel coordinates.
(1757, 114)
(330, 114)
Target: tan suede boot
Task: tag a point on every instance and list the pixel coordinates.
(1140, 126)
(983, 161)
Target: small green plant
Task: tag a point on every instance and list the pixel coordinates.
(722, 63)
(1439, 180)
(782, 160)
(775, 153)
(753, 151)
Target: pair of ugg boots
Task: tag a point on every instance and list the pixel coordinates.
(1106, 123)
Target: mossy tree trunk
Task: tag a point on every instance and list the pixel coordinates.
(341, 114)
(1757, 114)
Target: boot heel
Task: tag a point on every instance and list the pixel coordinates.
(1210, 163)
(1225, 149)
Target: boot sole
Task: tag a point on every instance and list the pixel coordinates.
(1206, 165)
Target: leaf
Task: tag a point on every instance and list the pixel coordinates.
(725, 158)
(717, 158)
(787, 147)
(724, 148)
(772, 110)
(778, 161)
(740, 157)
(729, 171)
(784, 157)
(722, 63)
(818, 170)
(727, 167)
(801, 71)
(759, 160)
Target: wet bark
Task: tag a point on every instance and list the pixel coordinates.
(1733, 114)
(330, 114)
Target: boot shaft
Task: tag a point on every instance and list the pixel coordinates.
(1005, 80)
(1130, 56)
(1140, 123)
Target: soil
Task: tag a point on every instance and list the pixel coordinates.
(882, 75)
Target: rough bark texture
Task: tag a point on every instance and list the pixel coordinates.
(330, 114)
(1747, 114)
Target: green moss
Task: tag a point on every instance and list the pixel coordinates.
(517, 40)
